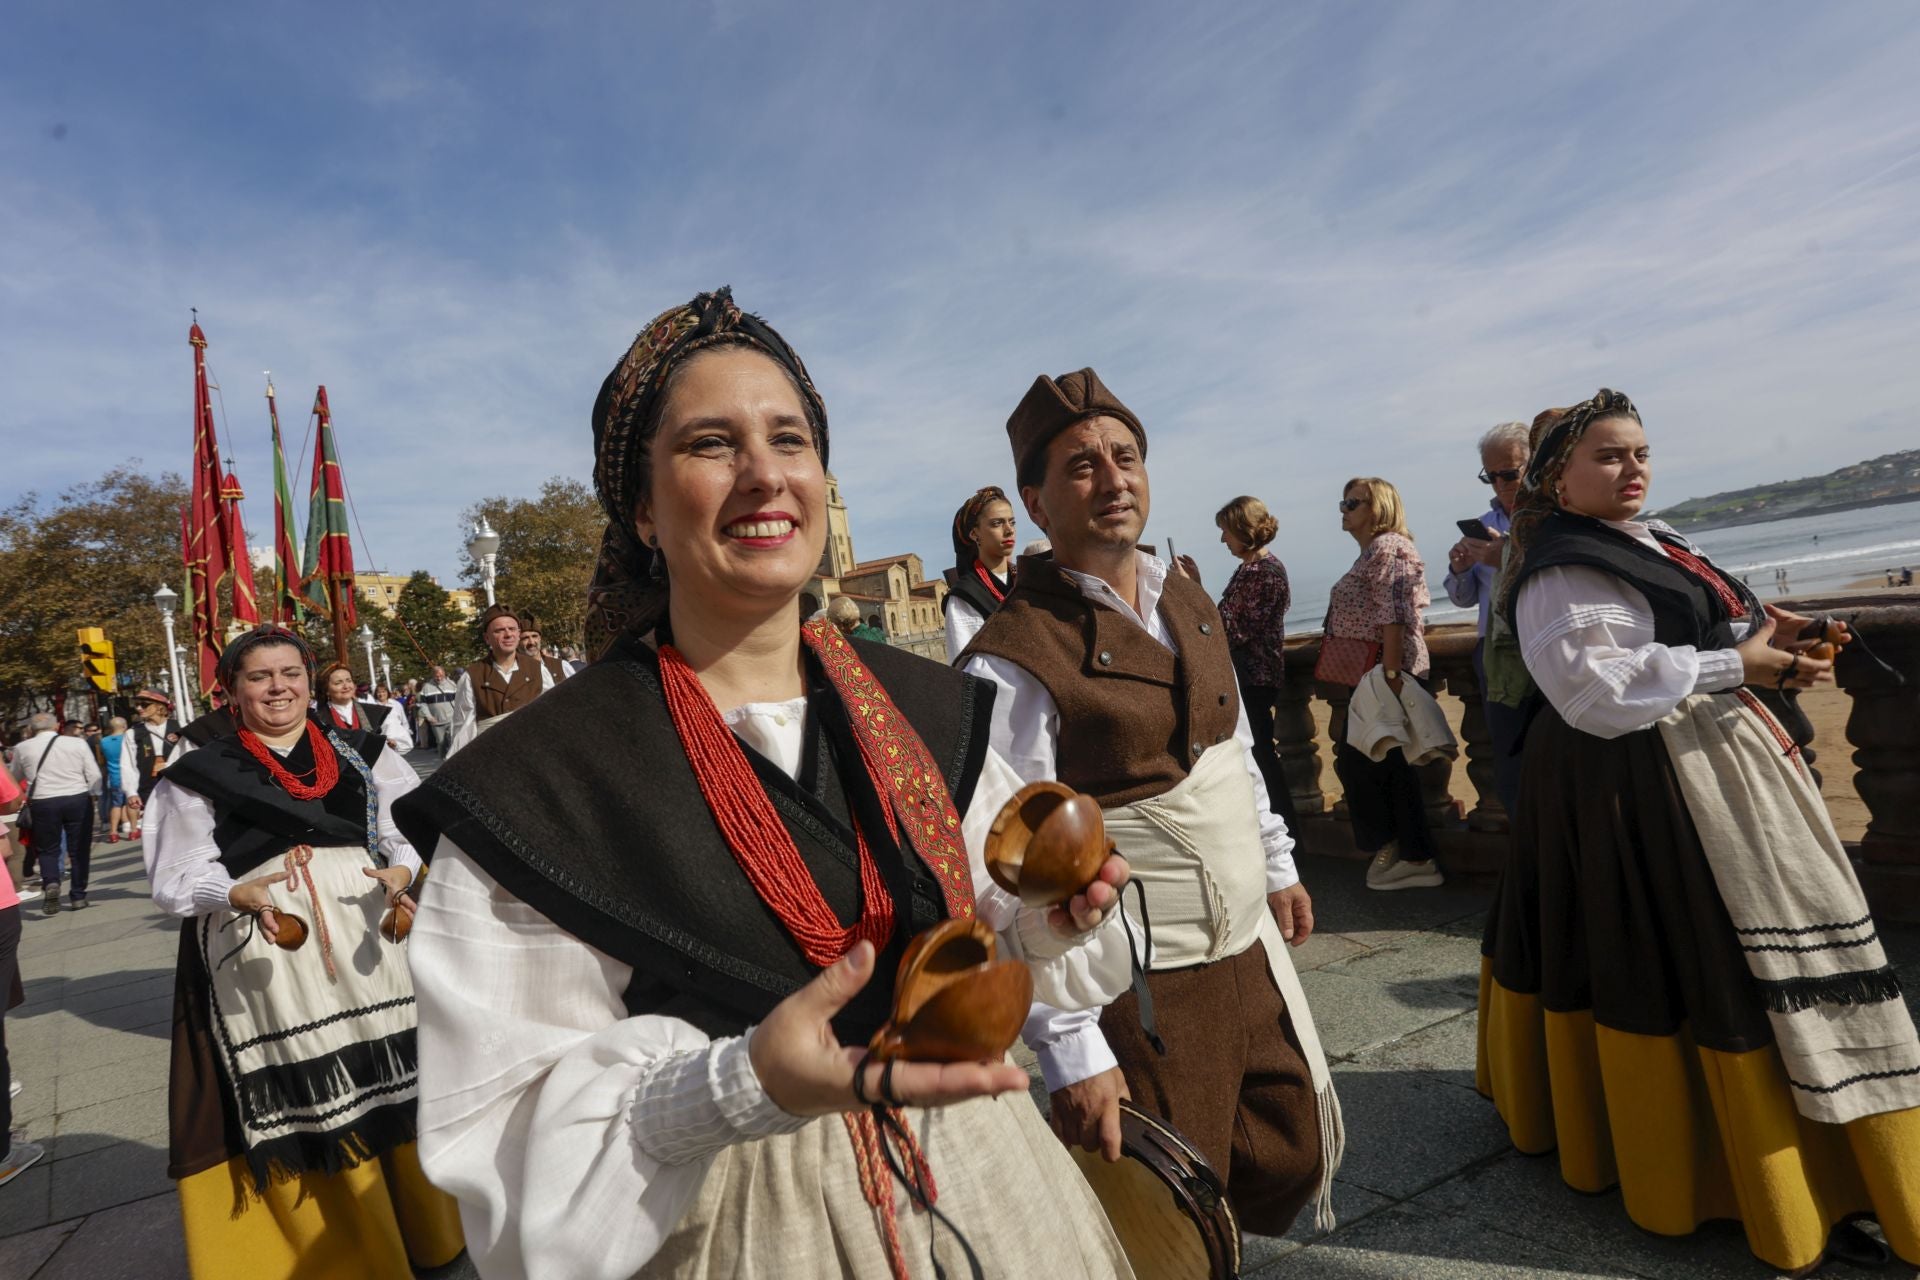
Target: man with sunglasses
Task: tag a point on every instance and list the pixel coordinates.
(1473, 569)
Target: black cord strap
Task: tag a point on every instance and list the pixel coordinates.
(889, 1121)
(1142, 993)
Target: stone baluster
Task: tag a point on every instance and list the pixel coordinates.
(1454, 674)
(1293, 735)
(1884, 728)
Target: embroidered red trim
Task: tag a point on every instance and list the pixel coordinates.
(1736, 607)
(902, 768)
(990, 582)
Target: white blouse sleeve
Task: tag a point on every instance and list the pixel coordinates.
(1587, 640)
(464, 715)
(393, 778)
(543, 1106)
(183, 863)
(963, 623)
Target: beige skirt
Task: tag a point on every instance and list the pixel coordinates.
(791, 1206)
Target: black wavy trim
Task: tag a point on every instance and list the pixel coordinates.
(364, 1066)
(1791, 995)
(368, 1138)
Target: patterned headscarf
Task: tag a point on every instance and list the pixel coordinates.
(629, 591)
(965, 550)
(228, 668)
(1552, 448)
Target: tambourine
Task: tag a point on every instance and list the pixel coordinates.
(952, 1000)
(1047, 844)
(1166, 1203)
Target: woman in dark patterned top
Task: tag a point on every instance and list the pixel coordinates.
(1254, 608)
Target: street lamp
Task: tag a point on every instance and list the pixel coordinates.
(166, 599)
(386, 671)
(366, 638)
(483, 546)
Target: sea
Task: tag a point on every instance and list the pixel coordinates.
(1819, 554)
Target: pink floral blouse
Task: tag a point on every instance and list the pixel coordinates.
(1387, 584)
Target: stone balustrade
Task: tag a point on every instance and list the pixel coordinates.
(1883, 728)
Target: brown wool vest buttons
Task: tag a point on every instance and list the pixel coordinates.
(1106, 659)
(1198, 751)
(1206, 628)
(1223, 699)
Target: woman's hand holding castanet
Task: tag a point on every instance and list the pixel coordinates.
(1085, 911)
(395, 880)
(807, 1071)
(1766, 666)
(252, 897)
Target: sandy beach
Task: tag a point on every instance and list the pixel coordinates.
(1827, 706)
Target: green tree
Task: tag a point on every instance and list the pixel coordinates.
(426, 628)
(548, 546)
(93, 558)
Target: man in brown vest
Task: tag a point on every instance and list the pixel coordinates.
(1114, 678)
(500, 683)
(530, 644)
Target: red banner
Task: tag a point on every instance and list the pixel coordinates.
(206, 533)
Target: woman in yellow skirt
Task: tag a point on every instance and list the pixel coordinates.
(1682, 990)
(292, 1095)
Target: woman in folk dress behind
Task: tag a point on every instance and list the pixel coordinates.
(291, 1100)
(670, 897)
(1683, 989)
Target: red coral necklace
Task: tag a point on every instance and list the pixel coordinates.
(326, 766)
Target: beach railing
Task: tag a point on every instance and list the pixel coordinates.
(1883, 729)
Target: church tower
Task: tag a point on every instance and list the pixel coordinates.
(837, 561)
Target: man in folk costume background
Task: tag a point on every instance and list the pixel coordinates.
(530, 643)
(1115, 679)
(500, 683)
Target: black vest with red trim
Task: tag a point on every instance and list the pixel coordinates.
(584, 806)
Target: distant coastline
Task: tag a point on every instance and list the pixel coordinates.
(1709, 523)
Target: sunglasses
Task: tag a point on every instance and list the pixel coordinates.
(1510, 474)
(1348, 504)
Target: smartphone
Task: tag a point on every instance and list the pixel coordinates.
(1475, 529)
(1173, 557)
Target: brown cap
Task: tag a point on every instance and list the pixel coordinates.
(154, 695)
(1051, 405)
(493, 613)
(526, 620)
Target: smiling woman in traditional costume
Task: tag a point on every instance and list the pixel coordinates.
(291, 1103)
(1683, 990)
(669, 892)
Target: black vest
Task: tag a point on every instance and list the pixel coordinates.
(1686, 611)
(584, 806)
(254, 819)
(965, 584)
(144, 754)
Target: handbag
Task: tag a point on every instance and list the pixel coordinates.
(1344, 660)
(25, 821)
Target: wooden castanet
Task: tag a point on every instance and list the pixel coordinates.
(952, 1000)
(1833, 638)
(397, 924)
(1047, 844)
(289, 929)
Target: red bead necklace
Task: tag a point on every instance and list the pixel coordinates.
(326, 765)
(760, 842)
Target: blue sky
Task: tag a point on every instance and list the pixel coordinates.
(1302, 241)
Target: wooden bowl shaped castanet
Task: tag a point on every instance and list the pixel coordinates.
(952, 1000)
(291, 930)
(397, 924)
(1047, 844)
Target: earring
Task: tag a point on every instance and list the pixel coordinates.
(657, 563)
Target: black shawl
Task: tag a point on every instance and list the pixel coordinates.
(584, 806)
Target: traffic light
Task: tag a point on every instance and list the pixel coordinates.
(96, 658)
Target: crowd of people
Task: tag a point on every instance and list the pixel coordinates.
(624, 1029)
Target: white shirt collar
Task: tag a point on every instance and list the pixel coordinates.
(1150, 578)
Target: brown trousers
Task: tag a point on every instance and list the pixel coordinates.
(1233, 1080)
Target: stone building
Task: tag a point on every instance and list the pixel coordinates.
(893, 591)
(382, 591)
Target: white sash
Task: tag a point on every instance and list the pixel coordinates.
(1195, 851)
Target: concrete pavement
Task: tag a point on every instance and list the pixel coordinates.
(1430, 1189)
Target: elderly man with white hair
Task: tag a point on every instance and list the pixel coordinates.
(60, 776)
(1473, 569)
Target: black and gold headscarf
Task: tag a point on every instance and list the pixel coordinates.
(1553, 445)
(629, 592)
